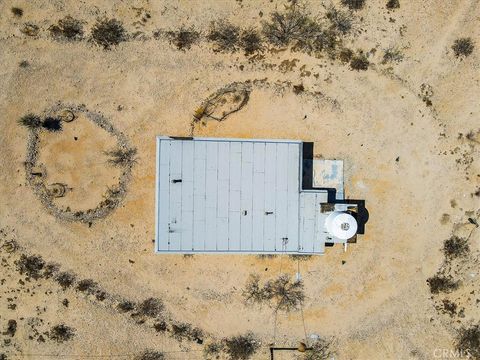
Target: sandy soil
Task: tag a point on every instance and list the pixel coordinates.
(405, 158)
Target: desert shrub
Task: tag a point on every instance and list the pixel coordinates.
(50, 270)
(439, 283)
(108, 33)
(30, 121)
(468, 341)
(449, 307)
(212, 350)
(17, 11)
(455, 247)
(241, 347)
(321, 350)
(345, 55)
(52, 124)
(67, 28)
(250, 41)
(65, 279)
(359, 62)
(87, 286)
(341, 21)
(126, 306)
(354, 4)
(150, 307)
(183, 38)
(184, 331)
(11, 328)
(393, 4)
(392, 54)
(282, 293)
(122, 157)
(30, 29)
(61, 333)
(224, 35)
(150, 355)
(463, 47)
(300, 257)
(160, 326)
(31, 266)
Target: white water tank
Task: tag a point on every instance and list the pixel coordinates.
(341, 224)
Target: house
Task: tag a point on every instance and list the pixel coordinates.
(254, 196)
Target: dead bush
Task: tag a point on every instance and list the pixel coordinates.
(61, 333)
(108, 33)
(285, 28)
(442, 284)
(31, 266)
(455, 247)
(68, 28)
(151, 307)
(241, 347)
(126, 306)
(224, 35)
(463, 47)
(281, 293)
(468, 341)
(30, 121)
(183, 38)
(354, 4)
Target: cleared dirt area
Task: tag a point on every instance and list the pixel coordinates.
(390, 87)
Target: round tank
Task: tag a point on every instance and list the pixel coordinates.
(342, 225)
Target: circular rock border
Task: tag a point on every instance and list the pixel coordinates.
(113, 197)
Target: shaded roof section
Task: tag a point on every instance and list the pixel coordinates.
(228, 195)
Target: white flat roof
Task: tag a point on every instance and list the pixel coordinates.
(235, 195)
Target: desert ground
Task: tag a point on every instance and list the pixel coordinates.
(390, 87)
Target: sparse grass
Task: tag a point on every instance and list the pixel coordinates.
(67, 28)
(122, 157)
(392, 54)
(150, 355)
(16, 11)
(393, 4)
(31, 266)
(321, 350)
(65, 279)
(52, 124)
(442, 284)
(468, 341)
(354, 4)
(183, 38)
(30, 121)
(341, 21)
(151, 307)
(108, 33)
(463, 47)
(250, 41)
(61, 333)
(241, 347)
(359, 62)
(282, 293)
(224, 35)
(455, 247)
